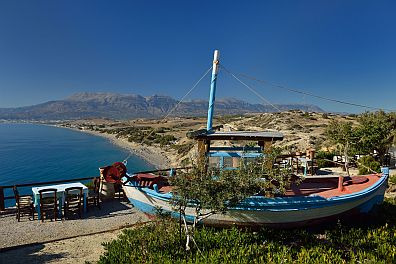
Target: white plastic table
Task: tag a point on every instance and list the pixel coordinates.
(60, 195)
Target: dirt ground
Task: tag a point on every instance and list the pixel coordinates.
(74, 250)
(69, 241)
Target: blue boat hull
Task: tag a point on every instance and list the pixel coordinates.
(279, 211)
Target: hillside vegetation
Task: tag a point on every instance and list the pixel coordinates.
(368, 240)
(301, 130)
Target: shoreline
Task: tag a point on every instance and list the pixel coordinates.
(152, 155)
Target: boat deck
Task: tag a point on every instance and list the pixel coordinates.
(327, 186)
(324, 186)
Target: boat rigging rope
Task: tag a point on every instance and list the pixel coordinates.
(251, 89)
(268, 102)
(258, 94)
(170, 112)
(311, 94)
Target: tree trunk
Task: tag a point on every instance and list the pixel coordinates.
(187, 232)
(346, 157)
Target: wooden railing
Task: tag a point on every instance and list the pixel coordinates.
(2, 188)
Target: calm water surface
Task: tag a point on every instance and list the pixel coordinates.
(35, 153)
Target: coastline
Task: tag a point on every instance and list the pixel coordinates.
(153, 155)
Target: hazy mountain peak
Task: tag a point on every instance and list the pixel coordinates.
(88, 96)
(230, 100)
(124, 106)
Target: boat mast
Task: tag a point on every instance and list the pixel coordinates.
(212, 97)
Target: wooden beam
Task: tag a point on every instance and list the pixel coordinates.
(267, 146)
(201, 151)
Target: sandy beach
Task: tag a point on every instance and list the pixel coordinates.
(153, 155)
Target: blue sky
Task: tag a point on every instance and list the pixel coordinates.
(340, 49)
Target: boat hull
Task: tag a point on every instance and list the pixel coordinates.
(277, 212)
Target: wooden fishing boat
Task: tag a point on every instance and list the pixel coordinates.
(315, 199)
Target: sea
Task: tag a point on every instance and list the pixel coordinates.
(32, 153)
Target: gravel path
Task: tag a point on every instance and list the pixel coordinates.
(113, 215)
(72, 250)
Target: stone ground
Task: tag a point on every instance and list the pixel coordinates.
(72, 250)
(68, 241)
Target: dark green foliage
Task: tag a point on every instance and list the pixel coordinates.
(376, 131)
(368, 162)
(392, 180)
(183, 148)
(146, 134)
(323, 159)
(217, 190)
(341, 133)
(164, 139)
(161, 130)
(160, 243)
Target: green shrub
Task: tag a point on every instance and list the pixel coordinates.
(164, 139)
(160, 242)
(392, 180)
(323, 159)
(183, 148)
(368, 162)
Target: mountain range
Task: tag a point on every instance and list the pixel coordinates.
(126, 106)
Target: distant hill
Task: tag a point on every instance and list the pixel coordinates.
(126, 106)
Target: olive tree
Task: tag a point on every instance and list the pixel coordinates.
(214, 191)
(343, 134)
(376, 131)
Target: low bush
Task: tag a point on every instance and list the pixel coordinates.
(392, 180)
(367, 165)
(324, 158)
(161, 242)
(183, 148)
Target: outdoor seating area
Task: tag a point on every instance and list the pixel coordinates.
(298, 162)
(56, 201)
(59, 201)
(44, 210)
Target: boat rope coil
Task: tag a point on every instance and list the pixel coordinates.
(115, 172)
